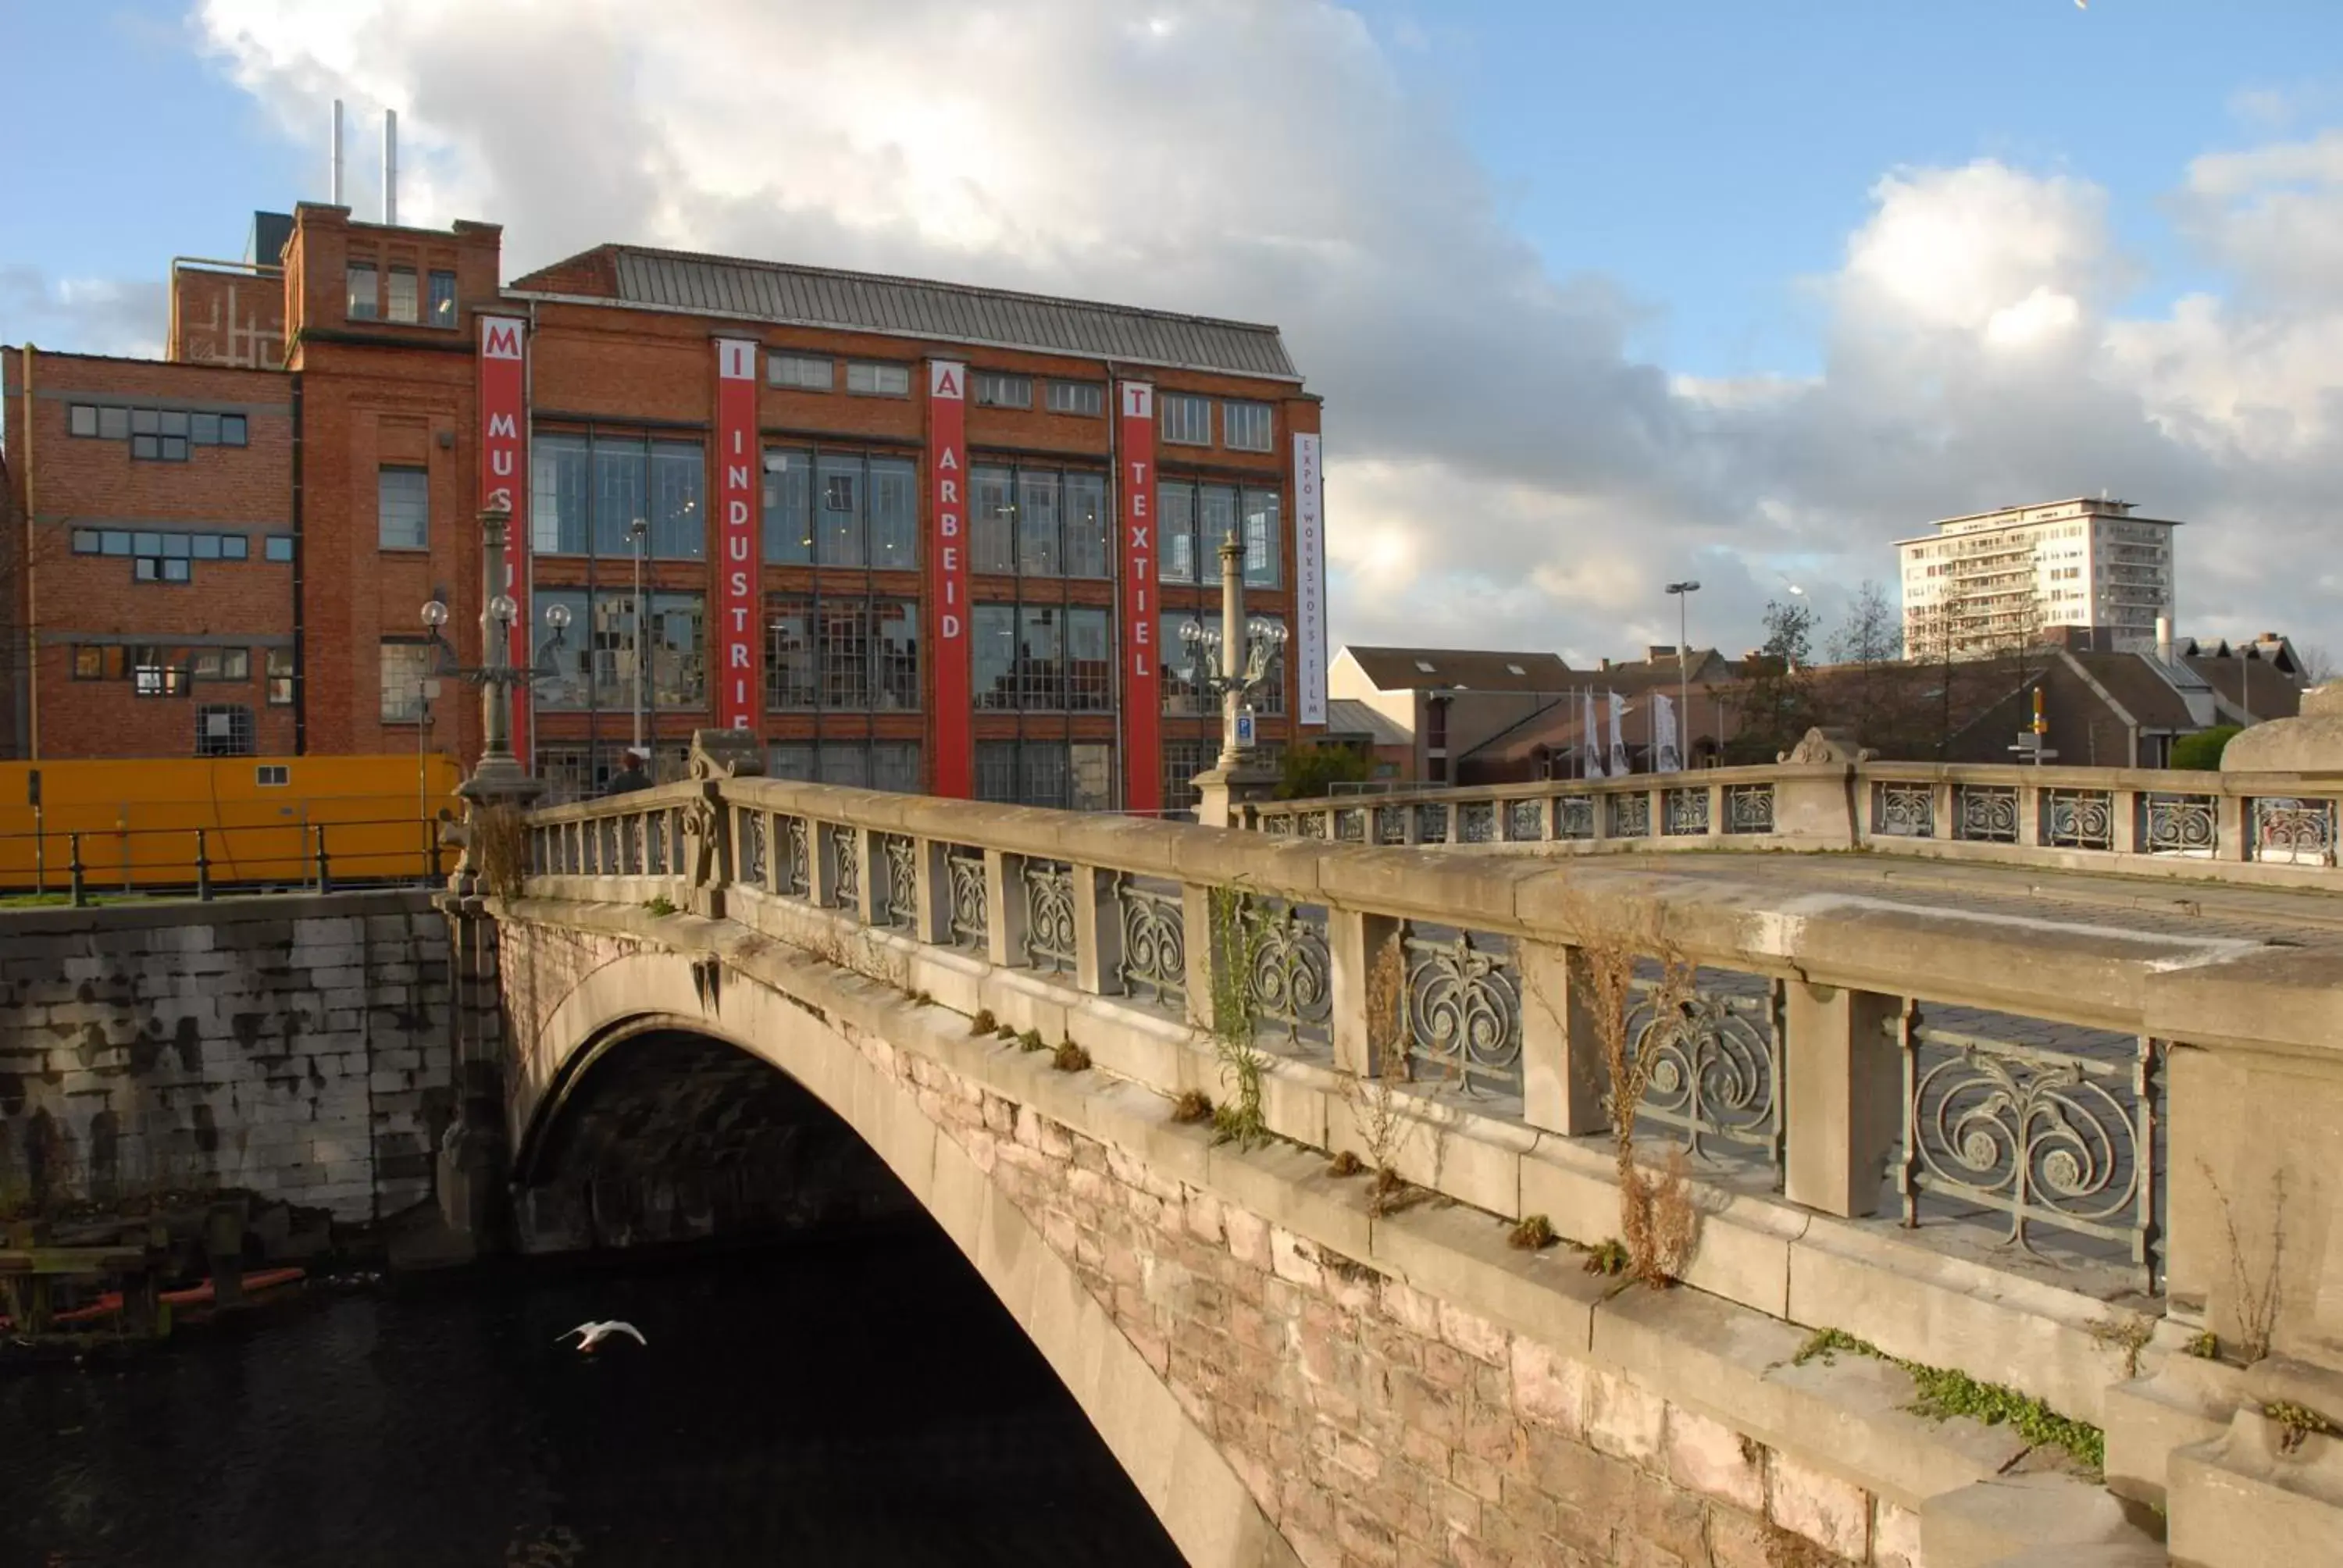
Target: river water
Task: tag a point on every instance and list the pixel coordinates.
(842, 1402)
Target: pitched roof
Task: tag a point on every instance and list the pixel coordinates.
(2142, 691)
(2250, 684)
(1349, 716)
(912, 308)
(1456, 668)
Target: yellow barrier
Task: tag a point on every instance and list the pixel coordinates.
(260, 819)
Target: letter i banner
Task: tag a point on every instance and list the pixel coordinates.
(740, 682)
(504, 486)
(948, 573)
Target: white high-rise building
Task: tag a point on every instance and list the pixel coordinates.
(1992, 580)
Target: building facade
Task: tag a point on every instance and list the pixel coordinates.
(913, 535)
(1993, 581)
(1447, 700)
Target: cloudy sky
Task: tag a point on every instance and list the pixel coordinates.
(1599, 295)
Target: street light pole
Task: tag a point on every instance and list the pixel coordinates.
(639, 531)
(1682, 592)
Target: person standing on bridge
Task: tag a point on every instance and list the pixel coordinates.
(634, 775)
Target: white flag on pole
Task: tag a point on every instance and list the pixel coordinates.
(1589, 737)
(1666, 750)
(1619, 765)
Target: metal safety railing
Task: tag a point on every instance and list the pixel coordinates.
(84, 864)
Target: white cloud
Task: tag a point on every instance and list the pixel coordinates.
(1501, 470)
(82, 315)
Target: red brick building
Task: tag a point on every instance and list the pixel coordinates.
(915, 535)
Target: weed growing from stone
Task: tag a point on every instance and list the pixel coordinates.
(1192, 1106)
(1942, 1391)
(1030, 1041)
(922, 999)
(2206, 1346)
(1004, 1033)
(2297, 1423)
(1535, 1233)
(2129, 1335)
(983, 1022)
(1378, 1113)
(1608, 1257)
(1345, 1163)
(1069, 1056)
(661, 906)
(1236, 944)
(2254, 1294)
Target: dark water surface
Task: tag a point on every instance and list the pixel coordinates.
(845, 1403)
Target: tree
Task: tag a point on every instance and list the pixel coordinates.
(2201, 752)
(1774, 701)
(1868, 645)
(1311, 772)
(2318, 666)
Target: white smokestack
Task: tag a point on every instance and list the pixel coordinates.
(390, 166)
(2164, 638)
(335, 183)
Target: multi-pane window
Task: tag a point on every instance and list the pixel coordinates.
(277, 547)
(852, 654)
(1186, 420)
(840, 510)
(406, 665)
(586, 494)
(364, 304)
(1047, 658)
(1263, 539)
(864, 764)
(1175, 531)
(1077, 398)
(224, 729)
(401, 299)
(157, 556)
(443, 299)
(996, 390)
(1194, 519)
(225, 665)
(597, 665)
(1069, 776)
(402, 516)
(280, 678)
(1245, 427)
(1183, 758)
(161, 671)
(1037, 522)
(805, 372)
(161, 434)
(878, 379)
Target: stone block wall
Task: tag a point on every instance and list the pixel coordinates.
(299, 1047)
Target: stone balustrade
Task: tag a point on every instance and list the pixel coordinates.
(1974, 1139)
(2267, 828)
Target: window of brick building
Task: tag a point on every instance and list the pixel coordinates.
(869, 765)
(443, 299)
(1070, 775)
(404, 508)
(224, 729)
(1186, 420)
(801, 372)
(89, 662)
(1077, 398)
(878, 380)
(277, 547)
(226, 665)
(406, 665)
(365, 303)
(401, 300)
(995, 389)
(1245, 427)
(280, 678)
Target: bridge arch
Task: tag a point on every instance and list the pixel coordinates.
(1184, 1477)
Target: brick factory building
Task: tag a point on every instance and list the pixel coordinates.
(917, 535)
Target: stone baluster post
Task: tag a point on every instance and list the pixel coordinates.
(1004, 908)
(1842, 1103)
(1564, 1075)
(1097, 931)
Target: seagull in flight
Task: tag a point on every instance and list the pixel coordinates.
(595, 1334)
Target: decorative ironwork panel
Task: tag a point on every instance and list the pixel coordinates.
(2046, 1138)
(655, 843)
(2181, 825)
(1432, 824)
(1749, 809)
(846, 867)
(1904, 810)
(1631, 815)
(1523, 819)
(1351, 824)
(2288, 827)
(751, 826)
(1278, 825)
(1313, 824)
(1289, 969)
(968, 902)
(1154, 944)
(606, 847)
(1050, 914)
(1574, 817)
(1391, 824)
(1476, 822)
(898, 862)
(1716, 1065)
(1683, 812)
(1986, 812)
(1460, 1014)
(796, 857)
(2078, 818)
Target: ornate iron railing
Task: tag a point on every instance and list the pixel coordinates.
(1154, 943)
(2078, 818)
(1476, 822)
(1351, 824)
(1985, 813)
(750, 825)
(1749, 809)
(1904, 810)
(845, 866)
(899, 864)
(1390, 825)
(796, 857)
(1291, 971)
(2179, 824)
(2294, 831)
(1050, 914)
(1631, 816)
(965, 868)
(1714, 1050)
(1684, 810)
(1460, 1012)
(1523, 819)
(1432, 824)
(1574, 817)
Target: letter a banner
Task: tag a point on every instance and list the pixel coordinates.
(948, 636)
(504, 486)
(1143, 697)
(740, 684)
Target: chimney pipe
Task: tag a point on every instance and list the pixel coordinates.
(335, 183)
(390, 167)
(2163, 637)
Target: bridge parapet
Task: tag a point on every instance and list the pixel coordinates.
(1993, 1139)
(2253, 828)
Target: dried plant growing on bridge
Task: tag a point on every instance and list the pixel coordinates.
(498, 838)
(1658, 1222)
(1378, 1112)
(1236, 946)
(2254, 1293)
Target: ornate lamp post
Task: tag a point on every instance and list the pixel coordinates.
(500, 775)
(1232, 663)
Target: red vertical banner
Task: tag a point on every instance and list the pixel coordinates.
(947, 619)
(1142, 696)
(739, 687)
(504, 484)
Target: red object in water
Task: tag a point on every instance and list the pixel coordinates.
(106, 1305)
